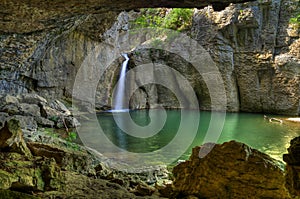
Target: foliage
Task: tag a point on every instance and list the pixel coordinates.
(72, 136)
(54, 118)
(50, 132)
(295, 20)
(179, 19)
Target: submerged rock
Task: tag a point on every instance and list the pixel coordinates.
(230, 170)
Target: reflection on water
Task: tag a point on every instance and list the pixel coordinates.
(252, 129)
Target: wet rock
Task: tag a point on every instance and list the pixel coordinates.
(229, 170)
(293, 167)
(12, 138)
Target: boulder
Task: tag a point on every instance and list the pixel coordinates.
(22, 109)
(143, 189)
(69, 122)
(32, 98)
(29, 109)
(44, 122)
(12, 138)
(229, 170)
(26, 122)
(50, 113)
(27, 175)
(67, 159)
(57, 105)
(293, 167)
(11, 109)
(8, 99)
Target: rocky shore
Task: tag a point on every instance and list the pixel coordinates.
(35, 164)
(44, 45)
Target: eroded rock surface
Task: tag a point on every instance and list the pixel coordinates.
(20, 16)
(230, 170)
(252, 44)
(293, 167)
(255, 54)
(33, 111)
(50, 169)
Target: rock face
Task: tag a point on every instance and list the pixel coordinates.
(23, 17)
(292, 167)
(257, 57)
(230, 170)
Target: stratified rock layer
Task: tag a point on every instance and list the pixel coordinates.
(56, 171)
(229, 170)
(21, 16)
(252, 44)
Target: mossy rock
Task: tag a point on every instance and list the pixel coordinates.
(6, 179)
(8, 194)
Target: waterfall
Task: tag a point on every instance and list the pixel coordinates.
(120, 91)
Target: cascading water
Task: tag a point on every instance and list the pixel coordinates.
(120, 91)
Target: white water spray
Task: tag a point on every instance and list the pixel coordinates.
(120, 91)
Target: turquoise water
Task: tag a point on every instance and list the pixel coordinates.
(252, 129)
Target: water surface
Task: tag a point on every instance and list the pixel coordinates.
(252, 129)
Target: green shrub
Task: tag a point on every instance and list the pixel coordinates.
(295, 20)
(178, 19)
(71, 136)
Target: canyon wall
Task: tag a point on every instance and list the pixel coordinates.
(251, 44)
(256, 52)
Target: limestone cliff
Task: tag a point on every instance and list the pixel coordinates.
(256, 52)
(256, 55)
